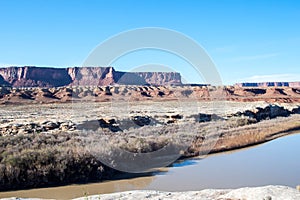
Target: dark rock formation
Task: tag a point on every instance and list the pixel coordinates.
(3, 82)
(269, 112)
(93, 125)
(81, 76)
(131, 78)
(296, 110)
(202, 117)
(141, 120)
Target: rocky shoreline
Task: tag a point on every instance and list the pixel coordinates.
(271, 192)
(255, 193)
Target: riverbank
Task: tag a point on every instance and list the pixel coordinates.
(49, 145)
(248, 167)
(255, 193)
(270, 192)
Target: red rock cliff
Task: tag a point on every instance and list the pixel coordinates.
(35, 76)
(269, 84)
(92, 76)
(161, 78)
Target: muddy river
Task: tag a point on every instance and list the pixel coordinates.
(273, 163)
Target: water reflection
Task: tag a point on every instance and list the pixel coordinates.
(272, 163)
(74, 191)
(183, 163)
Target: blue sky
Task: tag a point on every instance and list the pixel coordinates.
(247, 40)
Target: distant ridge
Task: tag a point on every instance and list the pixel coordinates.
(30, 76)
(269, 84)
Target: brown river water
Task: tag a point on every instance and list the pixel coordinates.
(274, 163)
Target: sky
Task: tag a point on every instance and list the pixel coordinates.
(248, 41)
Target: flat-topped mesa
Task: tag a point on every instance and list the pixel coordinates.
(269, 84)
(29, 76)
(161, 78)
(93, 76)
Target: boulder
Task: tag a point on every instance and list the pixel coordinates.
(296, 110)
(269, 112)
(202, 117)
(51, 125)
(141, 120)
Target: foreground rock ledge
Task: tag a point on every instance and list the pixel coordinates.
(271, 192)
(255, 193)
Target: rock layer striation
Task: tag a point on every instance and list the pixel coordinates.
(28, 76)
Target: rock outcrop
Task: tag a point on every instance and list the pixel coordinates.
(254, 193)
(269, 84)
(76, 91)
(82, 76)
(160, 78)
(269, 112)
(34, 77)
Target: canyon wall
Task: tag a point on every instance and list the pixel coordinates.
(84, 76)
(159, 78)
(29, 76)
(269, 84)
(34, 77)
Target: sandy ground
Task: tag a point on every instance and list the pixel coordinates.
(83, 110)
(254, 193)
(258, 193)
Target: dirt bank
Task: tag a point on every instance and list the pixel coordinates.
(47, 145)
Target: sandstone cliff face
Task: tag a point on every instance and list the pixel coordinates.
(81, 76)
(35, 76)
(161, 78)
(269, 84)
(91, 75)
(3, 82)
(294, 84)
